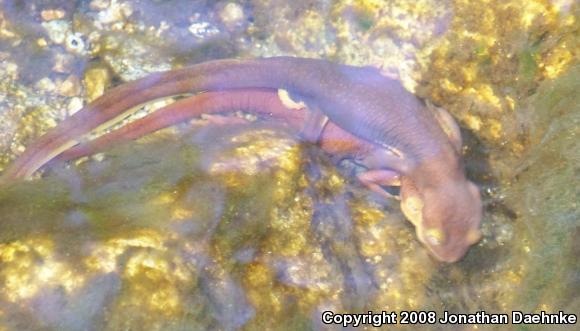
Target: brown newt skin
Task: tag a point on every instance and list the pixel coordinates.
(361, 101)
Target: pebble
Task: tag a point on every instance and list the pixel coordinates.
(70, 87)
(232, 15)
(75, 43)
(203, 29)
(100, 4)
(41, 42)
(112, 12)
(11, 70)
(52, 14)
(74, 105)
(57, 30)
(63, 63)
(96, 81)
(45, 84)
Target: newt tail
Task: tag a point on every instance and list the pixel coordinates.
(265, 103)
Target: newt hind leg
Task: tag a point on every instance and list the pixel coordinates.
(313, 125)
(315, 120)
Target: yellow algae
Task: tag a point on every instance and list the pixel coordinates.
(485, 93)
(544, 307)
(6, 30)
(415, 273)
(143, 238)
(367, 216)
(569, 20)
(96, 80)
(257, 149)
(181, 213)
(450, 86)
(473, 122)
(530, 10)
(165, 198)
(270, 297)
(557, 61)
(154, 281)
(371, 248)
(31, 265)
(259, 275)
(259, 280)
(291, 246)
(488, 40)
(9, 252)
(335, 182)
(104, 256)
(495, 129)
(143, 263)
(470, 72)
(290, 234)
(513, 276)
(510, 102)
(308, 40)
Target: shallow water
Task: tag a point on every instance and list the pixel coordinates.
(195, 228)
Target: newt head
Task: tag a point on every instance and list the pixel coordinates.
(447, 217)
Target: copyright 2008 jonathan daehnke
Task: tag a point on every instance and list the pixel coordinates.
(481, 317)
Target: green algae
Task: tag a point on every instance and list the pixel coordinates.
(545, 197)
(528, 65)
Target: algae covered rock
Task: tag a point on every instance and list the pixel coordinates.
(545, 195)
(207, 231)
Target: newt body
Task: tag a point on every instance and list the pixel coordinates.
(376, 109)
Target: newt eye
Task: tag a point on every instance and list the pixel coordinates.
(435, 237)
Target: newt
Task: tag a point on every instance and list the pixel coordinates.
(446, 208)
(267, 103)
